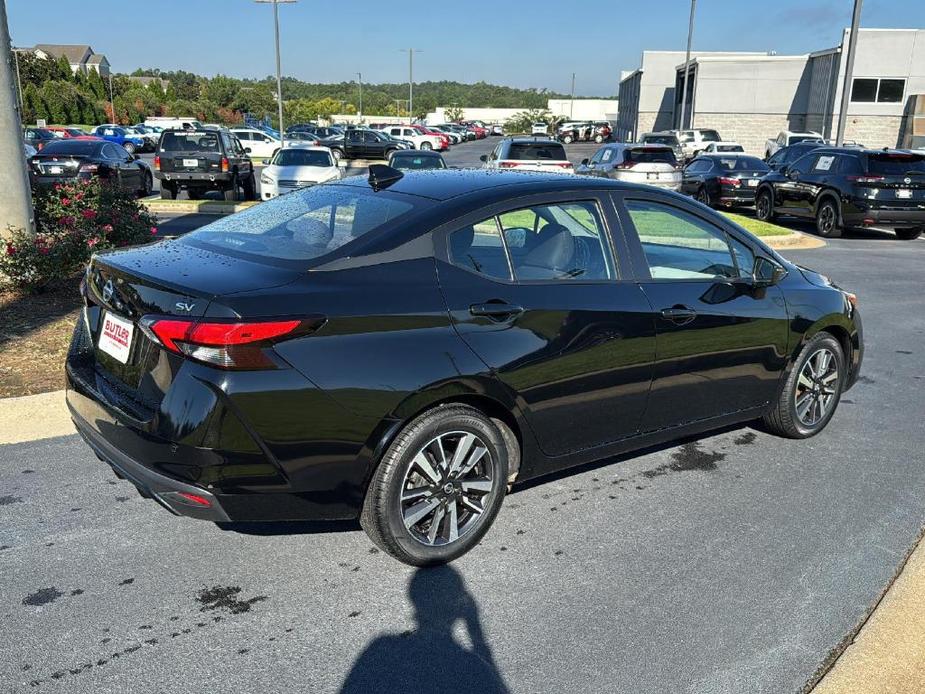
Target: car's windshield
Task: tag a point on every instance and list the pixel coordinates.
(80, 148)
(410, 162)
(180, 141)
(741, 164)
(709, 136)
(896, 164)
(661, 139)
(650, 155)
(534, 151)
(307, 223)
(804, 138)
(301, 157)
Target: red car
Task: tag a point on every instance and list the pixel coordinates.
(444, 140)
(480, 132)
(70, 133)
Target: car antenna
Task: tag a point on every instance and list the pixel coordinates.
(382, 176)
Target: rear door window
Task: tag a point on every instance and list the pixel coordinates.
(650, 155)
(479, 248)
(179, 141)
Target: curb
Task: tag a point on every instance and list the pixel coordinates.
(34, 417)
(196, 206)
(794, 240)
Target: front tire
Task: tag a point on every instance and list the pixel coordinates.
(147, 185)
(764, 206)
(426, 146)
(129, 147)
(567, 139)
(812, 390)
(827, 224)
(438, 487)
(704, 197)
(909, 234)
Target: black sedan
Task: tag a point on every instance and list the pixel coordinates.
(723, 180)
(65, 160)
(401, 349)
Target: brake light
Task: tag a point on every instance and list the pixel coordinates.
(157, 163)
(866, 179)
(196, 499)
(734, 182)
(508, 164)
(562, 164)
(227, 345)
(224, 164)
(625, 165)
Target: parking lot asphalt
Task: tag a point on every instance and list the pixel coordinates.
(736, 562)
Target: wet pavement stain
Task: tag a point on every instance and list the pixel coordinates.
(127, 582)
(77, 591)
(903, 351)
(9, 499)
(27, 472)
(122, 499)
(846, 401)
(3, 547)
(43, 596)
(745, 439)
(691, 457)
(225, 598)
(865, 379)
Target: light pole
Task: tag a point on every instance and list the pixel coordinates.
(571, 106)
(279, 76)
(411, 52)
(112, 103)
(687, 60)
(360, 83)
(849, 72)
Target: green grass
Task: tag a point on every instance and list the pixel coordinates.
(756, 226)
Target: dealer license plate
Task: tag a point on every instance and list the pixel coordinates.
(904, 193)
(116, 337)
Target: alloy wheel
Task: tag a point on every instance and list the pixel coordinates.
(763, 207)
(816, 387)
(445, 491)
(826, 220)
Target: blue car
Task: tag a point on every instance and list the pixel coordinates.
(114, 133)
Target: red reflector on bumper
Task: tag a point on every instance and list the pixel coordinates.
(196, 499)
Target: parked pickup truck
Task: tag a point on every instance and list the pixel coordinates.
(361, 143)
(785, 138)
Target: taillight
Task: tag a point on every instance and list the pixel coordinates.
(734, 182)
(157, 163)
(227, 345)
(866, 179)
(562, 164)
(224, 164)
(625, 165)
(508, 164)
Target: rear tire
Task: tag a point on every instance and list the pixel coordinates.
(231, 193)
(567, 139)
(764, 206)
(439, 522)
(909, 234)
(250, 187)
(704, 197)
(426, 146)
(168, 192)
(827, 224)
(802, 388)
(147, 185)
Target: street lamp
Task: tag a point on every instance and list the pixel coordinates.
(279, 76)
(687, 60)
(411, 52)
(360, 82)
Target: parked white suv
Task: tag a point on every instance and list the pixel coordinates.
(539, 129)
(528, 154)
(415, 137)
(695, 141)
(260, 143)
(785, 138)
(655, 165)
(727, 146)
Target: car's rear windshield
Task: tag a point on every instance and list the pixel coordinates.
(534, 151)
(412, 162)
(651, 155)
(661, 139)
(803, 138)
(308, 223)
(728, 148)
(710, 136)
(79, 148)
(179, 141)
(741, 164)
(302, 157)
(896, 164)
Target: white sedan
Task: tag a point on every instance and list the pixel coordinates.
(298, 166)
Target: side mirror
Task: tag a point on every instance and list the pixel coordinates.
(265, 162)
(484, 157)
(584, 162)
(247, 150)
(766, 273)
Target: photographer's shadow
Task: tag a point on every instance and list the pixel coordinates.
(428, 659)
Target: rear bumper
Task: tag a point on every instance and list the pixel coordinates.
(182, 177)
(909, 217)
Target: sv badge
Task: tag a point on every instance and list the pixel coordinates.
(184, 306)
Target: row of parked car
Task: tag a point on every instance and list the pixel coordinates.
(835, 187)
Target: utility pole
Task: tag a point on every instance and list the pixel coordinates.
(849, 73)
(279, 75)
(687, 60)
(112, 103)
(411, 52)
(15, 195)
(571, 107)
(360, 82)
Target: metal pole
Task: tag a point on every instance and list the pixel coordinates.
(112, 103)
(411, 84)
(279, 76)
(15, 195)
(849, 72)
(687, 60)
(18, 79)
(360, 82)
(571, 107)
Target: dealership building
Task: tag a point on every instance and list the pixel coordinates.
(750, 97)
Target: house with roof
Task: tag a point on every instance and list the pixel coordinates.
(81, 57)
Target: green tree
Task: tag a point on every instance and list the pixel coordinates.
(63, 69)
(221, 89)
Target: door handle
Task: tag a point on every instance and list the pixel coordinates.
(496, 310)
(679, 315)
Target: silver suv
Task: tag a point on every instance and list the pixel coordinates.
(653, 164)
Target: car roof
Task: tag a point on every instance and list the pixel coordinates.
(444, 184)
(530, 140)
(417, 153)
(295, 144)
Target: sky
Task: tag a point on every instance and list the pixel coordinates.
(539, 43)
